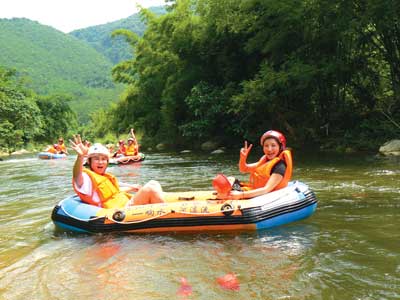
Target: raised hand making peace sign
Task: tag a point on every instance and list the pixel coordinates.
(244, 152)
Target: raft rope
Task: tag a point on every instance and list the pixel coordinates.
(162, 215)
(138, 221)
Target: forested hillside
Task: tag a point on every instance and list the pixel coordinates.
(116, 49)
(55, 62)
(326, 73)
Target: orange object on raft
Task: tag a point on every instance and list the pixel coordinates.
(221, 184)
(190, 211)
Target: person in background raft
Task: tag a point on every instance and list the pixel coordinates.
(61, 146)
(52, 149)
(95, 186)
(133, 146)
(110, 148)
(272, 172)
(121, 149)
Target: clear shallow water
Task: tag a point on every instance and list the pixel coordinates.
(349, 249)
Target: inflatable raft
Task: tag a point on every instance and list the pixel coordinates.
(49, 155)
(190, 211)
(124, 160)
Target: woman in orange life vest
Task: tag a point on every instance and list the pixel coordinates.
(121, 149)
(61, 146)
(272, 172)
(96, 187)
(52, 149)
(133, 146)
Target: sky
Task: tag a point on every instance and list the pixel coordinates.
(68, 15)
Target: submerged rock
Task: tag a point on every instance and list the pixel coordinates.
(390, 148)
(161, 147)
(218, 151)
(209, 146)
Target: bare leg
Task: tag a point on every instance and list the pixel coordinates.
(150, 193)
(231, 179)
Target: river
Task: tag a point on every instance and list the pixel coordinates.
(348, 249)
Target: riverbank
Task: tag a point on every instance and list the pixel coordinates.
(19, 152)
(25, 149)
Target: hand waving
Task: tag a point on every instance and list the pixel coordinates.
(78, 146)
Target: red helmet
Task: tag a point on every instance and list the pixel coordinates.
(274, 134)
(221, 184)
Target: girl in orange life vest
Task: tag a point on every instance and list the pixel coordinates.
(121, 149)
(133, 146)
(96, 187)
(272, 172)
(52, 149)
(61, 146)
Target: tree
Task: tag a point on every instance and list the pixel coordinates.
(58, 117)
(20, 117)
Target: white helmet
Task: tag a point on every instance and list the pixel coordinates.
(96, 149)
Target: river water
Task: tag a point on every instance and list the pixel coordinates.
(348, 249)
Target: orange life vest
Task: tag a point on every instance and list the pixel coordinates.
(63, 148)
(132, 150)
(107, 189)
(260, 176)
(121, 150)
(52, 150)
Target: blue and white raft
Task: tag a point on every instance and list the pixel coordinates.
(190, 211)
(49, 155)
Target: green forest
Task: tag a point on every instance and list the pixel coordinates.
(326, 73)
(114, 48)
(52, 62)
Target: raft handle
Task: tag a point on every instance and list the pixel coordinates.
(118, 216)
(186, 198)
(227, 209)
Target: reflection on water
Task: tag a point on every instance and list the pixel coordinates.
(347, 250)
(290, 239)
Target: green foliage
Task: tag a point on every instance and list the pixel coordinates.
(10, 138)
(57, 63)
(58, 117)
(313, 70)
(20, 117)
(26, 117)
(114, 47)
(98, 126)
(208, 113)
